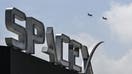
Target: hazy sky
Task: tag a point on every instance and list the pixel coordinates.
(70, 17)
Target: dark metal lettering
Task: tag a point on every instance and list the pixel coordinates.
(51, 45)
(32, 38)
(85, 56)
(10, 15)
(59, 46)
(74, 47)
(34, 33)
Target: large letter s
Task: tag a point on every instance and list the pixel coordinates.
(10, 15)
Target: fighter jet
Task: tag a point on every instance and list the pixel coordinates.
(104, 18)
(90, 14)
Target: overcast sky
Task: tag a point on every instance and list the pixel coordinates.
(70, 17)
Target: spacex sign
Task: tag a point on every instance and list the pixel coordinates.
(35, 33)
